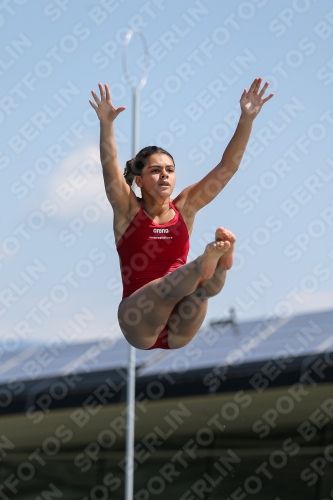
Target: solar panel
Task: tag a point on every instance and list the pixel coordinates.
(216, 344)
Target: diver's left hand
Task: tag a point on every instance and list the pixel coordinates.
(252, 100)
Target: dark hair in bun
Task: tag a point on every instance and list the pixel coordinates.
(134, 167)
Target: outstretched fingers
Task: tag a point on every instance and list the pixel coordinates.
(107, 92)
(262, 92)
(255, 90)
(95, 96)
(93, 105)
(120, 109)
(103, 106)
(268, 98)
(255, 85)
(105, 95)
(101, 90)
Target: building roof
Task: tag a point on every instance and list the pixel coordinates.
(219, 344)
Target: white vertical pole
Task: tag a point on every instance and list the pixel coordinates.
(130, 423)
(130, 396)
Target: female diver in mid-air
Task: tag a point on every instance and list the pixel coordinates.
(165, 300)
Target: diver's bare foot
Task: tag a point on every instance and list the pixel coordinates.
(227, 259)
(213, 252)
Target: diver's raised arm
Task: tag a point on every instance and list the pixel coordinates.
(203, 192)
(117, 190)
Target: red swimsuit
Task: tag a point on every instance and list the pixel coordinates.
(148, 251)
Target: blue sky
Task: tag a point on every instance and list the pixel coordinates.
(58, 259)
